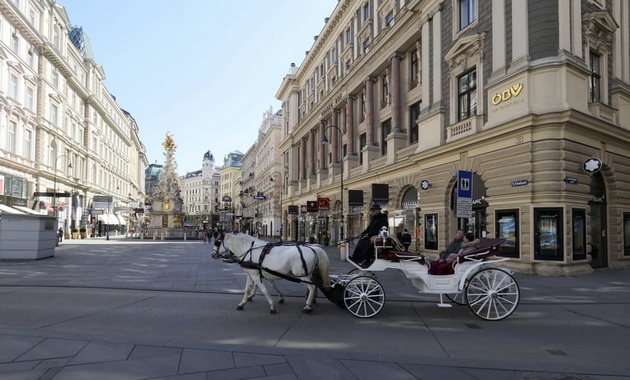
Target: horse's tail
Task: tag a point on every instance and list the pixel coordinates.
(323, 263)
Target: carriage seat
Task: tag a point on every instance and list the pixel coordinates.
(487, 247)
(398, 255)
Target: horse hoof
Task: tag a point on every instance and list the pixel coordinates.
(281, 301)
(307, 311)
(239, 307)
(250, 299)
(272, 311)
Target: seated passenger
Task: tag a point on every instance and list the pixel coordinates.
(445, 266)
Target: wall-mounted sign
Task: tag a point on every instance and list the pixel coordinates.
(323, 204)
(311, 206)
(571, 180)
(522, 182)
(424, 184)
(293, 209)
(592, 165)
(464, 194)
(508, 94)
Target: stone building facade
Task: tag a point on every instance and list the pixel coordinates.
(63, 138)
(529, 100)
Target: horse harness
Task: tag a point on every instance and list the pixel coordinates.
(266, 249)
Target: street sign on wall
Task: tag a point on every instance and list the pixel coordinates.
(464, 194)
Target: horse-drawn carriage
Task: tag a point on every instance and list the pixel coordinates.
(490, 292)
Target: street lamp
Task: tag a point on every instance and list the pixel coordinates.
(325, 141)
(271, 180)
(55, 209)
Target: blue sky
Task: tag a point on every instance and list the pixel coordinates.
(204, 70)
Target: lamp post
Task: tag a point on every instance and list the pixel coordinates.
(271, 180)
(55, 209)
(325, 141)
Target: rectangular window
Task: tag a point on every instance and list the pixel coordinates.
(12, 141)
(30, 99)
(362, 144)
(53, 114)
(55, 79)
(28, 144)
(13, 86)
(384, 91)
(579, 234)
(626, 233)
(414, 113)
(414, 68)
(366, 12)
(431, 231)
(467, 95)
(595, 79)
(466, 13)
(548, 234)
(389, 19)
(386, 128)
(507, 228)
(15, 43)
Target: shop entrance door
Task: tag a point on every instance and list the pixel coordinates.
(599, 246)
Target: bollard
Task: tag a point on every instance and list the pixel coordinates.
(142, 236)
(184, 236)
(154, 235)
(343, 251)
(162, 236)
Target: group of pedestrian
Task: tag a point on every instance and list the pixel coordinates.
(209, 237)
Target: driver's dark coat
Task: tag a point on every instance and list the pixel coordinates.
(377, 222)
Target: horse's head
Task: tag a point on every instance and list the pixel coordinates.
(220, 250)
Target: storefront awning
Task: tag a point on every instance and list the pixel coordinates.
(10, 210)
(110, 219)
(27, 210)
(121, 220)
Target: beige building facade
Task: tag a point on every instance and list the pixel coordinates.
(527, 101)
(63, 138)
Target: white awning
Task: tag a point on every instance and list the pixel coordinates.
(109, 219)
(27, 210)
(10, 210)
(121, 220)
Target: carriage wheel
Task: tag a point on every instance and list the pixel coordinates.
(364, 297)
(458, 298)
(492, 294)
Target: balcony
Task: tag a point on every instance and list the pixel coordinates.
(464, 128)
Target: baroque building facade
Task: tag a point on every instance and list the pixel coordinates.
(63, 138)
(200, 193)
(528, 100)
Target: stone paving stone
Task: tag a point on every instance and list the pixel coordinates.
(278, 369)
(51, 363)
(12, 347)
(147, 352)
(96, 352)
(246, 360)
(379, 371)
(190, 376)
(18, 366)
(317, 368)
(35, 374)
(123, 370)
(54, 348)
(237, 373)
(204, 360)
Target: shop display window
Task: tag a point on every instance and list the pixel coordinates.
(430, 231)
(626, 233)
(508, 228)
(579, 234)
(548, 234)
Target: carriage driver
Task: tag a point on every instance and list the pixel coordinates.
(363, 250)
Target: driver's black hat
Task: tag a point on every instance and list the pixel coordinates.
(375, 206)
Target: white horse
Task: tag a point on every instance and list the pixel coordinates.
(262, 260)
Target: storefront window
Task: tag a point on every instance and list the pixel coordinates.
(626, 234)
(548, 239)
(507, 228)
(430, 231)
(579, 234)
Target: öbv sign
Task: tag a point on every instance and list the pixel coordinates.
(508, 94)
